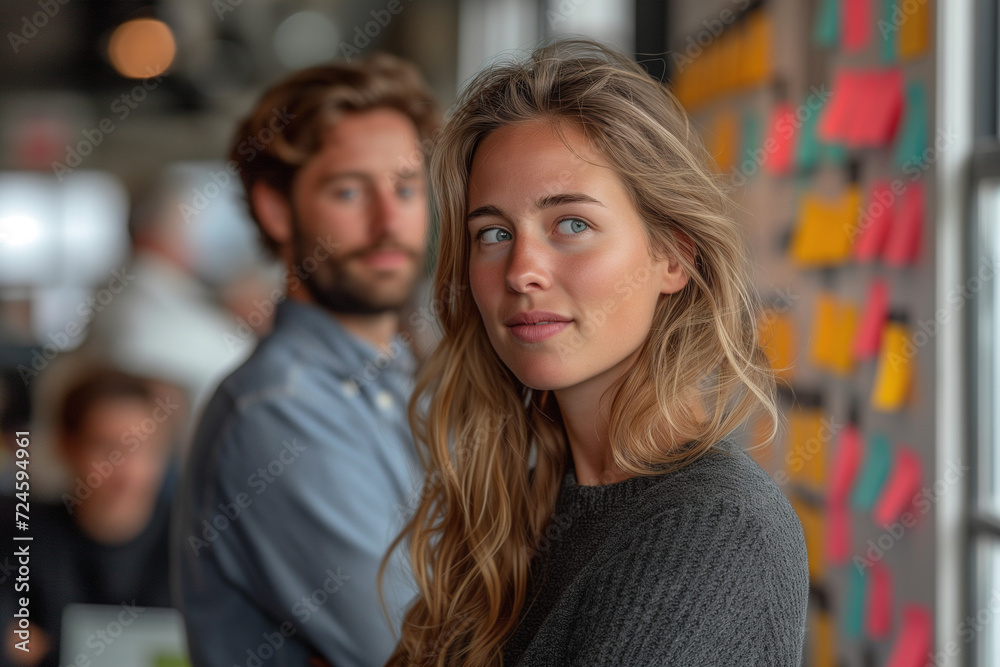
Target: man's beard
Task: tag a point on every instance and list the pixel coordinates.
(332, 286)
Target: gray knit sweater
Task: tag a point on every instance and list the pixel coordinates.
(703, 566)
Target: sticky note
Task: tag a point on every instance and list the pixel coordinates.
(780, 142)
(847, 455)
(812, 531)
(911, 140)
(838, 534)
(824, 327)
(874, 470)
(806, 453)
(825, 229)
(900, 488)
(757, 52)
(914, 641)
(878, 106)
(868, 334)
(857, 21)
(821, 639)
(913, 21)
(905, 239)
(826, 30)
(841, 355)
(751, 137)
(878, 619)
(852, 621)
(874, 223)
(895, 363)
(887, 32)
(725, 140)
(835, 119)
(776, 332)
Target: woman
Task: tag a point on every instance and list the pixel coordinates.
(583, 503)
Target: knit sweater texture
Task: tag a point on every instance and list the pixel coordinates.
(702, 566)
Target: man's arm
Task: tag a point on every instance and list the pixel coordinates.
(304, 512)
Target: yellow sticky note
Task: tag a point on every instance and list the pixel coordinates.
(776, 332)
(821, 648)
(812, 529)
(824, 330)
(895, 364)
(914, 31)
(758, 48)
(825, 229)
(841, 356)
(806, 452)
(725, 140)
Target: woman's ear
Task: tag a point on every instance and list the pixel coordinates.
(673, 277)
(274, 212)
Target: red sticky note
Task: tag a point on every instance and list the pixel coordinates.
(780, 142)
(868, 335)
(900, 488)
(879, 616)
(877, 108)
(838, 533)
(835, 121)
(903, 245)
(856, 24)
(874, 223)
(914, 642)
(846, 461)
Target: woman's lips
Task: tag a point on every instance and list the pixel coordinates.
(533, 333)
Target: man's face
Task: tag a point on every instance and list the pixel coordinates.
(362, 200)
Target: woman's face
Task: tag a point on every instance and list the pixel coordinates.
(559, 264)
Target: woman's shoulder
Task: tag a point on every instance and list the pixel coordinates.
(724, 485)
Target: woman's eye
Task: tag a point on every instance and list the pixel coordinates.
(573, 225)
(493, 235)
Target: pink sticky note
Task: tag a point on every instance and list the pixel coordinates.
(914, 642)
(835, 120)
(846, 461)
(838, 533)
(878, 108)
(900, 488)
(874, 223)
(903, 245)
(856, 24)
(879, 617)
(868, 335)
(780, 142)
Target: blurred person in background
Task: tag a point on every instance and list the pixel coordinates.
(302, 468)
(105, 541)
(171, 319)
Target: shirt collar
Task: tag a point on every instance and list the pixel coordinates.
(348, 352)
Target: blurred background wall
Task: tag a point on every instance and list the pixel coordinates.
(859, 138)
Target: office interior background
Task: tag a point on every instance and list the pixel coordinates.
(860, 141)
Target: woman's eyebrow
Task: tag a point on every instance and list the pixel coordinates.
(545, 202)
(566, 198)
(489, 210)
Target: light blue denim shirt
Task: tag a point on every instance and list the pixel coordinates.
(301, 472)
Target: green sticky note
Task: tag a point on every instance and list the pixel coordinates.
(807, 147)
(854, 608)
(911, 142)
(887, 32)
(878, 461)
(826, 32)
(835, 153)
(752, 135)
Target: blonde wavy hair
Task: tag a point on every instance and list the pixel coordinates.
(699, 375)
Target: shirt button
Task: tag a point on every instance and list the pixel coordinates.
(349, 387)
(384, 400)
